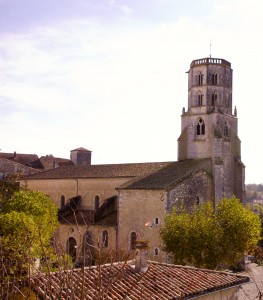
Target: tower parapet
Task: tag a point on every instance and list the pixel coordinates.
(210, 60)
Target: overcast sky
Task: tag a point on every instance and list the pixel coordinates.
(109, 75)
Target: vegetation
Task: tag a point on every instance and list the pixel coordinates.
(28, 220)
(8, 187)
(211, 238)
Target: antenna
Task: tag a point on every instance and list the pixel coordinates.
(210, 49)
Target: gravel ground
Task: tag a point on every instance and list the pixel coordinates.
(254, 289)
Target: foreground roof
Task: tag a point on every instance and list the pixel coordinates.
(120, 281)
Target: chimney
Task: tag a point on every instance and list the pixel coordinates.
(141, 256)
(14, 154)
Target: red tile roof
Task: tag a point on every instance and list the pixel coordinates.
(120, 281)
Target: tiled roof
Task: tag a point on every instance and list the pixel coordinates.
(169, 175)
(50, 162)
(120, 281)
(9, 167)
(30, 160)
(101, 171)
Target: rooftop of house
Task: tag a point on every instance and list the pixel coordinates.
(31, 160)
(9, 167)
(120, 281)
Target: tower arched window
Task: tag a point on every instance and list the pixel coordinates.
(105, 239)
(133, 238)
(214, 98)
(96, 202)
(200, 99)
(200, 79)
(200, 127)
(214, 79)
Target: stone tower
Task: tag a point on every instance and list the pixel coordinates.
(209, 127)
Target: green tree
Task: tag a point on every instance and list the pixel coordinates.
(211, 238)
(28, 220)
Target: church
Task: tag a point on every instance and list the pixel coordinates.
(104, 209)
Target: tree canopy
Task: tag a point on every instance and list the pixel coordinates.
(208, 237)
(27, 222)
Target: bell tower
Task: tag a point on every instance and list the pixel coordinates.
(209, 126)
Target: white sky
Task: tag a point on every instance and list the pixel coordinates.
(109, 75)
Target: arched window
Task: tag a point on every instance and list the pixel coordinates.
(200, 127)
(200, 99)
(156, 251)
(62, 201)
(214, 98)
(133, 238)
(96, 202)
(72, 248)
(197, 200)
(214, 79)
(200, 79)
(105, 239)
(156, 221)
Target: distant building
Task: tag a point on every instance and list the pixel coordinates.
(125, 202)
(18, 164)
(258, 200)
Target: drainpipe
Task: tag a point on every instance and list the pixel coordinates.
(77, 187)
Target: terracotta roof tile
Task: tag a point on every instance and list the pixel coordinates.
(119, 281)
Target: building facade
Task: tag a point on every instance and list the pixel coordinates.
(121, 203)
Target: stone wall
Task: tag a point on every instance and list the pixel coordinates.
(142, 212)
(194, 190)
